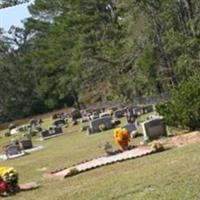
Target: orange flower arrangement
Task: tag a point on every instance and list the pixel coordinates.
(122, 137)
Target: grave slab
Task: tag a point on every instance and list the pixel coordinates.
(105, 160)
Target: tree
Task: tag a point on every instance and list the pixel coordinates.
(183, 108)
(10, 3)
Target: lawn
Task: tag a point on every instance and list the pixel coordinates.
(170, 175)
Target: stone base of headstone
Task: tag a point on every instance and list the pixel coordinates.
(36, 148)
(16, 156)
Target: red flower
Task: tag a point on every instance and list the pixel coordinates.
(3, 186)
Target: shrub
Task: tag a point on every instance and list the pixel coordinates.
(157, 146)
(7, 134)
(73, 172)
(183, 108)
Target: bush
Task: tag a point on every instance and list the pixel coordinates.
(73, 172)
(7, 134)
(157, 146)
(183, 108)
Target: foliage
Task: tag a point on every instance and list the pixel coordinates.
(9, 3)
(183, 108)
(73, 172)
(10, 176)
(157, 146)
(84, 51)
(146, 173)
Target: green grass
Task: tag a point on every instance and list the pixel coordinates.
(170, 175)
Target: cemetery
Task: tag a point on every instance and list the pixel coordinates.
(100, 99)
(17, 148)
(123, 143)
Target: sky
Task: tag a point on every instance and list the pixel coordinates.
(13, 16)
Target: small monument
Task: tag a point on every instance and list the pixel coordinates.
(97, 123)
(53, 131)
(154, 128)
(59, 122)
(119, 113)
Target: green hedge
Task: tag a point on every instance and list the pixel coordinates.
(183, 108)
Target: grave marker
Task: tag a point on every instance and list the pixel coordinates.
(104, 121)
(52, 132)
(154, 128)
(119, 113)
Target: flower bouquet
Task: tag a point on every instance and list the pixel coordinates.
(8, 181)
(122, 137)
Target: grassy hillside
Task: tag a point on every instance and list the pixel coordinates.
(170, 175)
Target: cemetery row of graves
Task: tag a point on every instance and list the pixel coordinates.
(124, 122)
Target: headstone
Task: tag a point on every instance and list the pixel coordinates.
(7, 133)
(96, 110)
(26, 144)
(95, 124)
(54, 116)
(59, 122)
(94, 116)
(104, 114)
(40, 121)
(33, 129)
(74, 122)
(154, 128)
(45, 133)
(57, 130)
(11, 126)
(14, 131)
(33, 122)
(76, 114)
(138, 111)
(52, 132)
(38, 128)
(148, 109)
(85, 119)
(119, 113)
(130, 127)
(131, 114)
(130, 118)
(12, 150)
(23, 128)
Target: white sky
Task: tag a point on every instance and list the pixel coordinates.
(13, 16)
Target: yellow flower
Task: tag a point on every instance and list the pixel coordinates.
(122, 137)
(4, 171)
